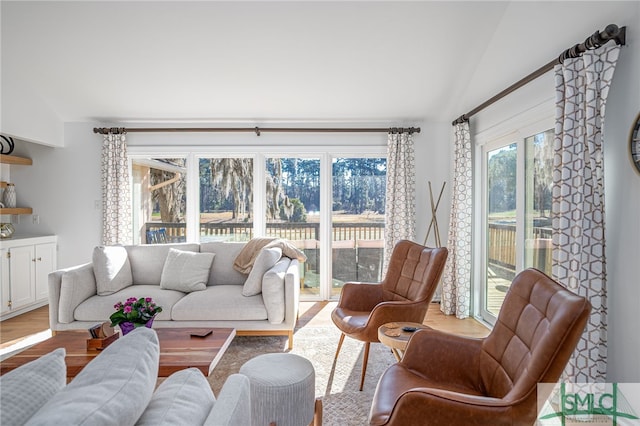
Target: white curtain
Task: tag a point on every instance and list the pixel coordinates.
(456, 278)
(400, 210)
(116, 202)
(582, 86)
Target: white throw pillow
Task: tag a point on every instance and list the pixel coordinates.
(113, 389)
(186, 271)
(185, 398)
(112, 269)
(265, 261)
(26, 389)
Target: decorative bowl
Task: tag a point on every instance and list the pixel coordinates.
(6, 230)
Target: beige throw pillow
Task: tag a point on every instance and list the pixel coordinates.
(265, 261)
(112, 269)
(186, 271)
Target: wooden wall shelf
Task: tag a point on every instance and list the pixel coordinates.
(19, 161)
(12, 159)
(16, 210)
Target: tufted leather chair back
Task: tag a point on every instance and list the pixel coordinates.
(536, 331)
(410, 275)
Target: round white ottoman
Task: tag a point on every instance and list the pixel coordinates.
(283, 389)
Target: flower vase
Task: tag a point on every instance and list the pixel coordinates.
(126, 327)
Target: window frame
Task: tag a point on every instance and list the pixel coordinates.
(259, 154)
(515, 129)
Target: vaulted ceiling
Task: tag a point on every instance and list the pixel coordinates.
(281, 61)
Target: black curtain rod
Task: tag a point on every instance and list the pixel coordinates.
(597, 39)
(256, 130)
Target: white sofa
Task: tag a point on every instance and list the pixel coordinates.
(118, 387)
(76, 302)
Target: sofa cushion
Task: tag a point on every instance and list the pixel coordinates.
(113, 389)
(100, 308)
(222, 272)
(147, 261)
(219, 303)
(112, 269)
(26, 389)
(186, 271)
(273, 291)
(265, 261)
(185, 398)
(77, 284)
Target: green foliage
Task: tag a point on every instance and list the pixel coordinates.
(501, 176)
(293, 213)
(358, 185)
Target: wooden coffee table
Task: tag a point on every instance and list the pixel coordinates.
(178, 350)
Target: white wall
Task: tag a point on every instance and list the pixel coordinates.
(26, 115)
(622, 207)
(433, 149)
(62, 186)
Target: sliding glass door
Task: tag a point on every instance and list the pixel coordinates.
(500, 221)
(357, 220)
(516, 234)
(292, 211)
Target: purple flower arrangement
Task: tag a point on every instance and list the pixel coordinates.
(136, 311)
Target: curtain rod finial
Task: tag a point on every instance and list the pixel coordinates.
(107, 130)
(460, 120)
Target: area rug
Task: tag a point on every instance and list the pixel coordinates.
(337, 382)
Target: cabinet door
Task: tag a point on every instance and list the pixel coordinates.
(5, 292)
(45, 263)
(22, 276)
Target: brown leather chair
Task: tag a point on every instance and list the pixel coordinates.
(444, 379)
(403, 296)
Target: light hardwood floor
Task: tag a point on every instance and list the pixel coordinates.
(312, 314)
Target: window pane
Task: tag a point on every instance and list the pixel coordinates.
(539, 178)
(501, 225)
(226, 198)
(292, 211)
(357, 220)
(159, 200)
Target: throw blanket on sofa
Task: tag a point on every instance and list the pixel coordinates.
(244, 261)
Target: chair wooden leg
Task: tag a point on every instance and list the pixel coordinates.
(317, 414)
(339, 345)
(365, 359)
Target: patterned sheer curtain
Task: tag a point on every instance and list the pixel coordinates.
(582, 86)
(116, 195)
(456, 278)
(400, 210)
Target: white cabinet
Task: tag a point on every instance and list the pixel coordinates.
(46, 261)
(26, 263)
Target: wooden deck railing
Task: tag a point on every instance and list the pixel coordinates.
(501, 249)
(176, 232)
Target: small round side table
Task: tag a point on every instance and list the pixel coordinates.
(392, 335)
